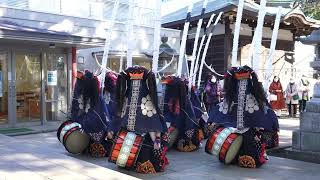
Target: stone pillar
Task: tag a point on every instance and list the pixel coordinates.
(307, 138)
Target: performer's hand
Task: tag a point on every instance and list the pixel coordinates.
(109, 135)
(157, 144)
(211, 126)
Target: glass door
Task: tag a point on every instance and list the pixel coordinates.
(4, 87)
(56, 86)
(28, 87)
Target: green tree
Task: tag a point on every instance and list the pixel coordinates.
(310, 7)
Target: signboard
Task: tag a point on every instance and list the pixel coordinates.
(52, 79)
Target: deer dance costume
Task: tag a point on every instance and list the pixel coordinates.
(245, 107)
(179, 112)
(138, 112)
(89, 110)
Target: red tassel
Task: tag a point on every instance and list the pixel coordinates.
(164, 159)
(261, 158)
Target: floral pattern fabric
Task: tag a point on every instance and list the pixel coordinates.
(147, 107)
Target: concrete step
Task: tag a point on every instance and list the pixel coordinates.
(289, 153)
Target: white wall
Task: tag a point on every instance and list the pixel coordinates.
(89, 9)
(70, 24)
(304, 54)
(119, 44)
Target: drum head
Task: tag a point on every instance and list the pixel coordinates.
(233, 150)
(77, 142)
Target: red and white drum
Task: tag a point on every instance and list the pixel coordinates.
(70, 134)
(224, 143)
(126, 149)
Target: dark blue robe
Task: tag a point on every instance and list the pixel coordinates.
(139, 104)
(253, 115)
(94, 119)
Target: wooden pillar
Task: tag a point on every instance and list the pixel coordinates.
(74, 65)
(227, 43)
(293, 72)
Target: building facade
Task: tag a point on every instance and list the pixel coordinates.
(294, 23)
(39, 41)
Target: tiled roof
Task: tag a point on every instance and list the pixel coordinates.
(216, 5)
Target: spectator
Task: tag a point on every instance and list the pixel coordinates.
(304, 88)
(276, 96)
(213, 92)
(292, 98)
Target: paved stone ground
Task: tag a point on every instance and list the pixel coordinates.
(286, 127)
(41, 156)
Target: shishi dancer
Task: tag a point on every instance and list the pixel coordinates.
(139, 122)
(244, 108)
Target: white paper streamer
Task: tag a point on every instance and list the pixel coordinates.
(236, 34)
(272, 48)
(183, 41)
(258, 34)
(156, 36)
(195, 44)
(194, 77)
(206, 49)
(107, 43)
(130, 35)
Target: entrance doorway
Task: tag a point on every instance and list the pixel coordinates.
(34, 87)
(56, 86)
(28, 87)
(4, 57)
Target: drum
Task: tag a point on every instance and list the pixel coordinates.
(172, 136)
(74, 140)
(126, 149)
(62, 126)
(225, 144)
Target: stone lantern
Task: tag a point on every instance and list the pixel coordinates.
(307, 138)
(166, 54)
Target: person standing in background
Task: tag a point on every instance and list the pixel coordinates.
(213, 92)
(303, 93)
(276, 96)
(292, 98)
